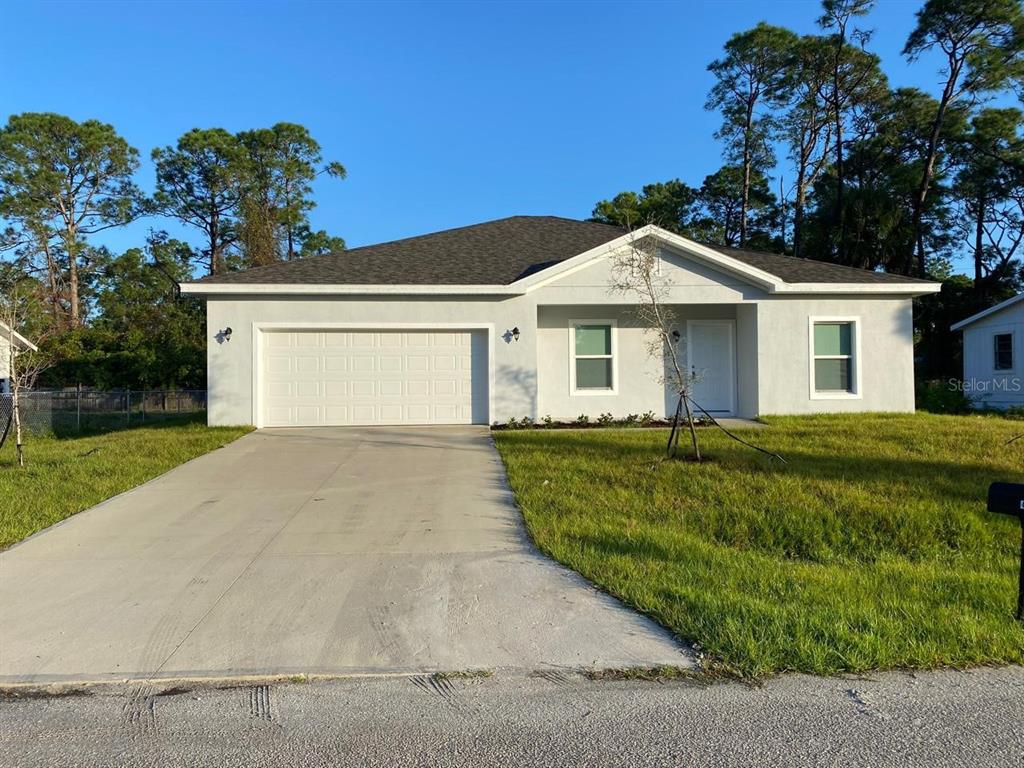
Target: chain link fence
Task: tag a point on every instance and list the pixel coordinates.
(73, 411)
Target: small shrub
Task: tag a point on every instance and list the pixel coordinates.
(582, 419)
(605, 419)
(631, 420)
(526, 423)
(513, 423)
(942, 396)
(646, 419)
(547, 421)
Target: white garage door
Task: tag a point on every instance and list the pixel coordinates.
(337, 378)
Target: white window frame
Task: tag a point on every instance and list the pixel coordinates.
(573, 325)
(856, 358)
(1013, 352)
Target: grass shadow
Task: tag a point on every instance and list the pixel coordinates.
(102, 424)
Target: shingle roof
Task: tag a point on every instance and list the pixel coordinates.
(501, 252)
(795, 270)
(494, 253)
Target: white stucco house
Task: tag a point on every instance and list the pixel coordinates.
(20, 344)
(993, 353)
(515, 318)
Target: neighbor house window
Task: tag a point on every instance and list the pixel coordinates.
(1003, 351)
(834, 364)
(592, 350)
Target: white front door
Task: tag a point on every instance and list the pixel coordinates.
(711, 356)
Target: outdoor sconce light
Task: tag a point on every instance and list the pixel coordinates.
(515, 333)
(675, 335)
(226, 333)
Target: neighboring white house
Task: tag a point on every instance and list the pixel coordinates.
(994, 355)
(20, 343)
(515, 318)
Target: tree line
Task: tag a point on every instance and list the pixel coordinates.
(114, 319)
(866, 174)
(869, 175)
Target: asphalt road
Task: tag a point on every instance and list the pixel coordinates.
(551, 718)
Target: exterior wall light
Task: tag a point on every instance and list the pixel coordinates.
(515, 333)
(226, 333)
(675, 335)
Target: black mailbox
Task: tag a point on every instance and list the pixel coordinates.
(1008, 499)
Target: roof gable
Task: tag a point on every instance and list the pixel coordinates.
(675, 268)
(752, 267)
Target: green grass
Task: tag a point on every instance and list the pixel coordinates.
(65, 476)
(870, 549)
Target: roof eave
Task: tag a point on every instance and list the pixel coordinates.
(902, 289)
(757, 277)
(21, 341)
(986, 312)
(342, 289)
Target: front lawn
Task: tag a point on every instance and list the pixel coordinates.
(870, 549)
(65, 476)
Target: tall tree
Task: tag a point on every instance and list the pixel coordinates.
(881, 167)
(982, 42)
(198, 183)
(990, 186)
(143, 335)
(158, 336)
(855, 80)
(318, 242)
(751, 80)
(807, 125)
(39, 255)
(721, 201)
(670, 205)
(280, 164)
(63, 180)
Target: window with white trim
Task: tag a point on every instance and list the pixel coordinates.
(1002, 352)
(834, 363)
(593, 362)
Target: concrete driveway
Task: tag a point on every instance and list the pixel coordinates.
(309, 551)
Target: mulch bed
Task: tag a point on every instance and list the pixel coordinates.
(618, 424)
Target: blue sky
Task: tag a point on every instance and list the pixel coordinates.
(445, 114)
